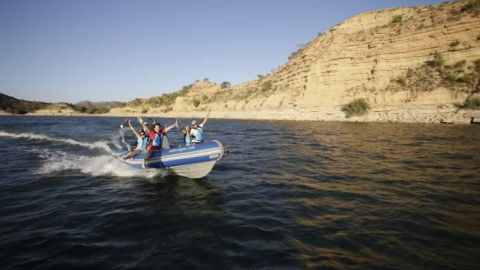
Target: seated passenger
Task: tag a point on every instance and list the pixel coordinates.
(155, 134)
(165, 142)
(197, 131)
(187, 139)
(142, 140)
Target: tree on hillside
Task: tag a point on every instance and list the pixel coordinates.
(225, 84)
(136, 102)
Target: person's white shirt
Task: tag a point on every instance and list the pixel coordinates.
(194, 131)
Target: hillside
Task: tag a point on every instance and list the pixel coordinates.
(419, 64)
(11, 105)
(96, 107)
(61, 108)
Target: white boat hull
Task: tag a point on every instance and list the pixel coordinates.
(193, 161)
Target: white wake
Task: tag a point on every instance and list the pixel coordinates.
(57, 161)
(32, 136)
(95, 165)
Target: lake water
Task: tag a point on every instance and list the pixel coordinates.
(290, 195)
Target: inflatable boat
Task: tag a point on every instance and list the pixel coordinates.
(192, 161)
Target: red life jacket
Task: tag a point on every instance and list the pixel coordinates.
(155, 141)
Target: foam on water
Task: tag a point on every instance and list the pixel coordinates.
(103, 145)
(95, 165)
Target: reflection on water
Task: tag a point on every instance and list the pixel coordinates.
(372, 195)
(289, 195)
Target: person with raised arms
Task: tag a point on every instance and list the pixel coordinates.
(142, 141)
(196, 132)
(187, 139)
(156, 135)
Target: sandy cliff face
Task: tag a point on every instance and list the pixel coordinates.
(368, 51)
(409, 64)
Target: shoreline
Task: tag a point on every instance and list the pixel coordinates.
(460, 117)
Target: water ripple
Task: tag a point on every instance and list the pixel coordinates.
(290, 195)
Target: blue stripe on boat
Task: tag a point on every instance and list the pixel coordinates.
(192, 154)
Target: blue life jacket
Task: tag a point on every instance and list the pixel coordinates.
(187, 140)
(199, 137)
(142, 143)
(157, 140)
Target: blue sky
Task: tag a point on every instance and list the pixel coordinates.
(104, 50)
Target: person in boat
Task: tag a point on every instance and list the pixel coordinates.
(156, 135)
(196, 132)
(142, 141)
(145, 123)
(165, 142)
(187, 139)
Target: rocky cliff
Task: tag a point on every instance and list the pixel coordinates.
(419, 64)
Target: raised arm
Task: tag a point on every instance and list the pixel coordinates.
(133, 130)
(140, 120)
(205, 120)
(185, 131)
(167, 129)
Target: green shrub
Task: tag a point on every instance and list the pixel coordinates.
(477, 65)
(356, 107)
(410, 73)
(451, 77)
(459, 64)
(144, 110)
(454, 43)
(397, 19)
(266, 86)
(15, 111)
(104, 110)
(301, 47)
(437, 61)
(455, 12)
(469, 79)
(92, 110)
(225, 84)
(401, 81)
(472, 6)
(136, 102)
(185, 89)
(196, 102)
(164, 99)
(472, 103)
